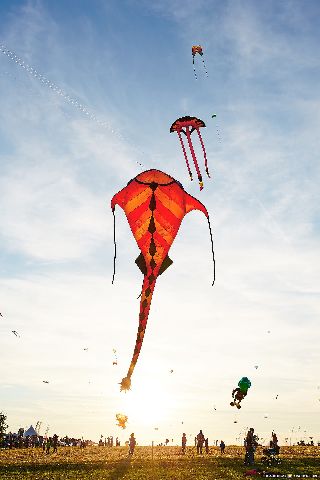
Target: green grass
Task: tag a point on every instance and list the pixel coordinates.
(71, 463)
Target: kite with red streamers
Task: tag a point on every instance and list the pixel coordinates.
(183, 125)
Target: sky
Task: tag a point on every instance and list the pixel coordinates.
(124, 72)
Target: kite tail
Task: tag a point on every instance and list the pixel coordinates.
(205, 68)
(115, 245)
(214, 262)
(145, 302)
(194, 158)
(185, 154)
(204, 152)
(194, 70)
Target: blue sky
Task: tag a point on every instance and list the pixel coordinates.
(130, 65)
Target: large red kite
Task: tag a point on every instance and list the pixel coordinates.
(154, 204)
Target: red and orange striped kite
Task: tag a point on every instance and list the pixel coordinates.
(154, 204)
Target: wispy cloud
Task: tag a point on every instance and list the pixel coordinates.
(59, 171)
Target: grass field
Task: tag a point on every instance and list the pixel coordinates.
(167, 463)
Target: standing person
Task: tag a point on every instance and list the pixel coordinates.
(184, 443)
(48, 445)
(222, 446)
(200, 442)
(275, 445)
(55, 442)
(132, 444)
(206, 444)
(251, 444)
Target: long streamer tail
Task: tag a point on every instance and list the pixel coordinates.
(204, 152)
(214, 262)
(194, 158)
(205, 68)
(194, 70)
(115, 245)
(145, 302)
(185, 153)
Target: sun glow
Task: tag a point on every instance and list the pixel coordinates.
(146, 407)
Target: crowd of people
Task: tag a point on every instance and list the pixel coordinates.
(109, 442)
(50, 443)
(47, 443)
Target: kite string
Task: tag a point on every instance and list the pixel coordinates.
(48, 83)
(115, 245)
(45, 81)
(214, 262)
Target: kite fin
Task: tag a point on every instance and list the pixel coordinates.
(165, 264)
(141, 262)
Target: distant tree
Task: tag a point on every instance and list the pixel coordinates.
(3, 425)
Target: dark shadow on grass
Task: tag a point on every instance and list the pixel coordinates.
(116, 470)
(121, 468)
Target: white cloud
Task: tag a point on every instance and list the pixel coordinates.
(59, 171)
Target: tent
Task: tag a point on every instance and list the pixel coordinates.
(30, 432)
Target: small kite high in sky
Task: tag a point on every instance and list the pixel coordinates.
(197, 49)
(183, 125)
(155, 205)
(122, 420)
(115, 359)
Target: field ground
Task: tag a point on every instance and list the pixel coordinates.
(72, 463)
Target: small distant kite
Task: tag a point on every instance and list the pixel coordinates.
(183, 125)
(15, 333)
(115, 360)
(1, 314)
(277, 397)
(171, 371)
(197, 49)
(156, 428)
(85, 349)
(155, 205)
(214, 408)
(217, 128)
(122, 420)
(235, 421)
(256, 367)
(45, 381)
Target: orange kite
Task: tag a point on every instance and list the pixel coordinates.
(154, 204)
